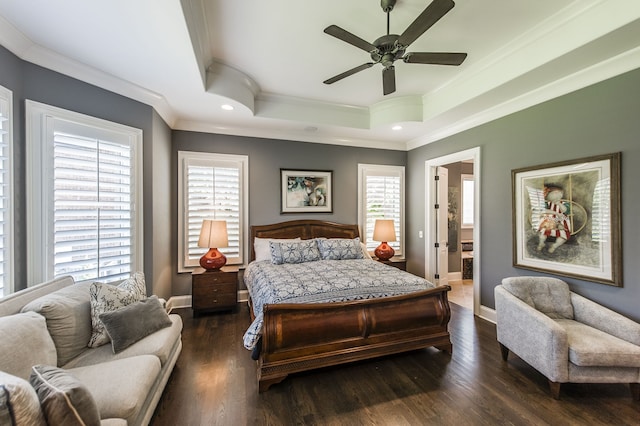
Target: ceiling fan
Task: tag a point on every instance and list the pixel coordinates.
(391, 47)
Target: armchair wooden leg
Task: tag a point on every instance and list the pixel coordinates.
(555, 389)
(505, 352)
(635, 391)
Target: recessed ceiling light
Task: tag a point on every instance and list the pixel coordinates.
(227, 107)
(397, 127)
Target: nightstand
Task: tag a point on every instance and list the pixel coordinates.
(214, 290)
(398, 263)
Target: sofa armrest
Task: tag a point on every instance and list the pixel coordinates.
(532, 335)
(604, 319)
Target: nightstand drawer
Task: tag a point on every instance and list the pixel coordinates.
(214, 296)
(208, 290)
(215, 278)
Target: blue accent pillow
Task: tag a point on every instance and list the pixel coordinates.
(340, 248)
(294, 252)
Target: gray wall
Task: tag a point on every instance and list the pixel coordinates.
(266, 157)
(29, 81)
(596, 120)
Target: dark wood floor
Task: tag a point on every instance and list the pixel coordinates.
(214, 383)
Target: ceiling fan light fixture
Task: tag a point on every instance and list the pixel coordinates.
(227, 107)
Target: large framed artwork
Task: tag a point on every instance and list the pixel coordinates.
(566, 219)
(306, 191)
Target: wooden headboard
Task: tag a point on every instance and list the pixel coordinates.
(305, 229)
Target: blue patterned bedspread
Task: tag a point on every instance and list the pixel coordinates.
(322, 281)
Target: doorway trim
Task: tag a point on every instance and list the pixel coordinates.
(429, 226)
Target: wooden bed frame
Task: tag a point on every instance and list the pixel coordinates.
(300, 337)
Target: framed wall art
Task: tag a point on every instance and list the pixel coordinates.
(306, 191)
(566, 219)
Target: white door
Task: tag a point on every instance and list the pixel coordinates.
(442, 225)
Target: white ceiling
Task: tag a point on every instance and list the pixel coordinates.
(269, 58)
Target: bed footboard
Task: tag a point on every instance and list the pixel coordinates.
(300, 337)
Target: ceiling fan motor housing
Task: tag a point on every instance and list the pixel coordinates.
(387, 50)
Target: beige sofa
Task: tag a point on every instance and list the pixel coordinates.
(126, 386)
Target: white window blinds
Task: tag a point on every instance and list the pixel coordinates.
(381, 196)
(213, 186)
(92, 207)
(6, 190)
(89, 215)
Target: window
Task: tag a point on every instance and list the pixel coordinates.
(211, 186)
(6, 193)
(468, 194)
(84, 196)
(381, 196)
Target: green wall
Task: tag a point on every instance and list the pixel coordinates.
(599, 119)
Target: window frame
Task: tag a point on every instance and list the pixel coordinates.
(40, 120)
(466, 178)
(365, 170)
(6, 107)
(242, 162)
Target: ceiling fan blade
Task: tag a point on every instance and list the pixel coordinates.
(348, 73)
(432, 14)
(437, 58)
(389, 80)
(346, 36)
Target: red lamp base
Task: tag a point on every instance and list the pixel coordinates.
(384, 251)
(213, 260)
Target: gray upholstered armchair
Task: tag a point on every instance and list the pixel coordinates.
(566, 337)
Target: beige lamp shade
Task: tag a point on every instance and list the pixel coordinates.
(384, 230)
(213, 235)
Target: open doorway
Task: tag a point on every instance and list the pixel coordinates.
(453, 226)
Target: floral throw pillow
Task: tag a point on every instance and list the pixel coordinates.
(107, 298)
(340, 248)
(294, 252)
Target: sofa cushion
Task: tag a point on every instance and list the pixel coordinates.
(64, 399)
(68, 315)
(19, 404)
(127, 325)
(120, 387)
(108, 297)
(590, 347)
(161, 344)
(550, 296)
(25, 343)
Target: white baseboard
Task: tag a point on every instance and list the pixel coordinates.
(177, 302)
(454, 276)
(488, 314)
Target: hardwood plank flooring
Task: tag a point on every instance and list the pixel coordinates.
(214, 383)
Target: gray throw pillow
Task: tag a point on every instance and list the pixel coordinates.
(19, 404)
(127, 325)
(64, 399)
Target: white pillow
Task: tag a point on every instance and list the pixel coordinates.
(263, 249)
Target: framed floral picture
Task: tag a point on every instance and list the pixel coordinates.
(306, 191)
(566, 219)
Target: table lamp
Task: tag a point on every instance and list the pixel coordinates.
(384, 231)
(213, 235)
